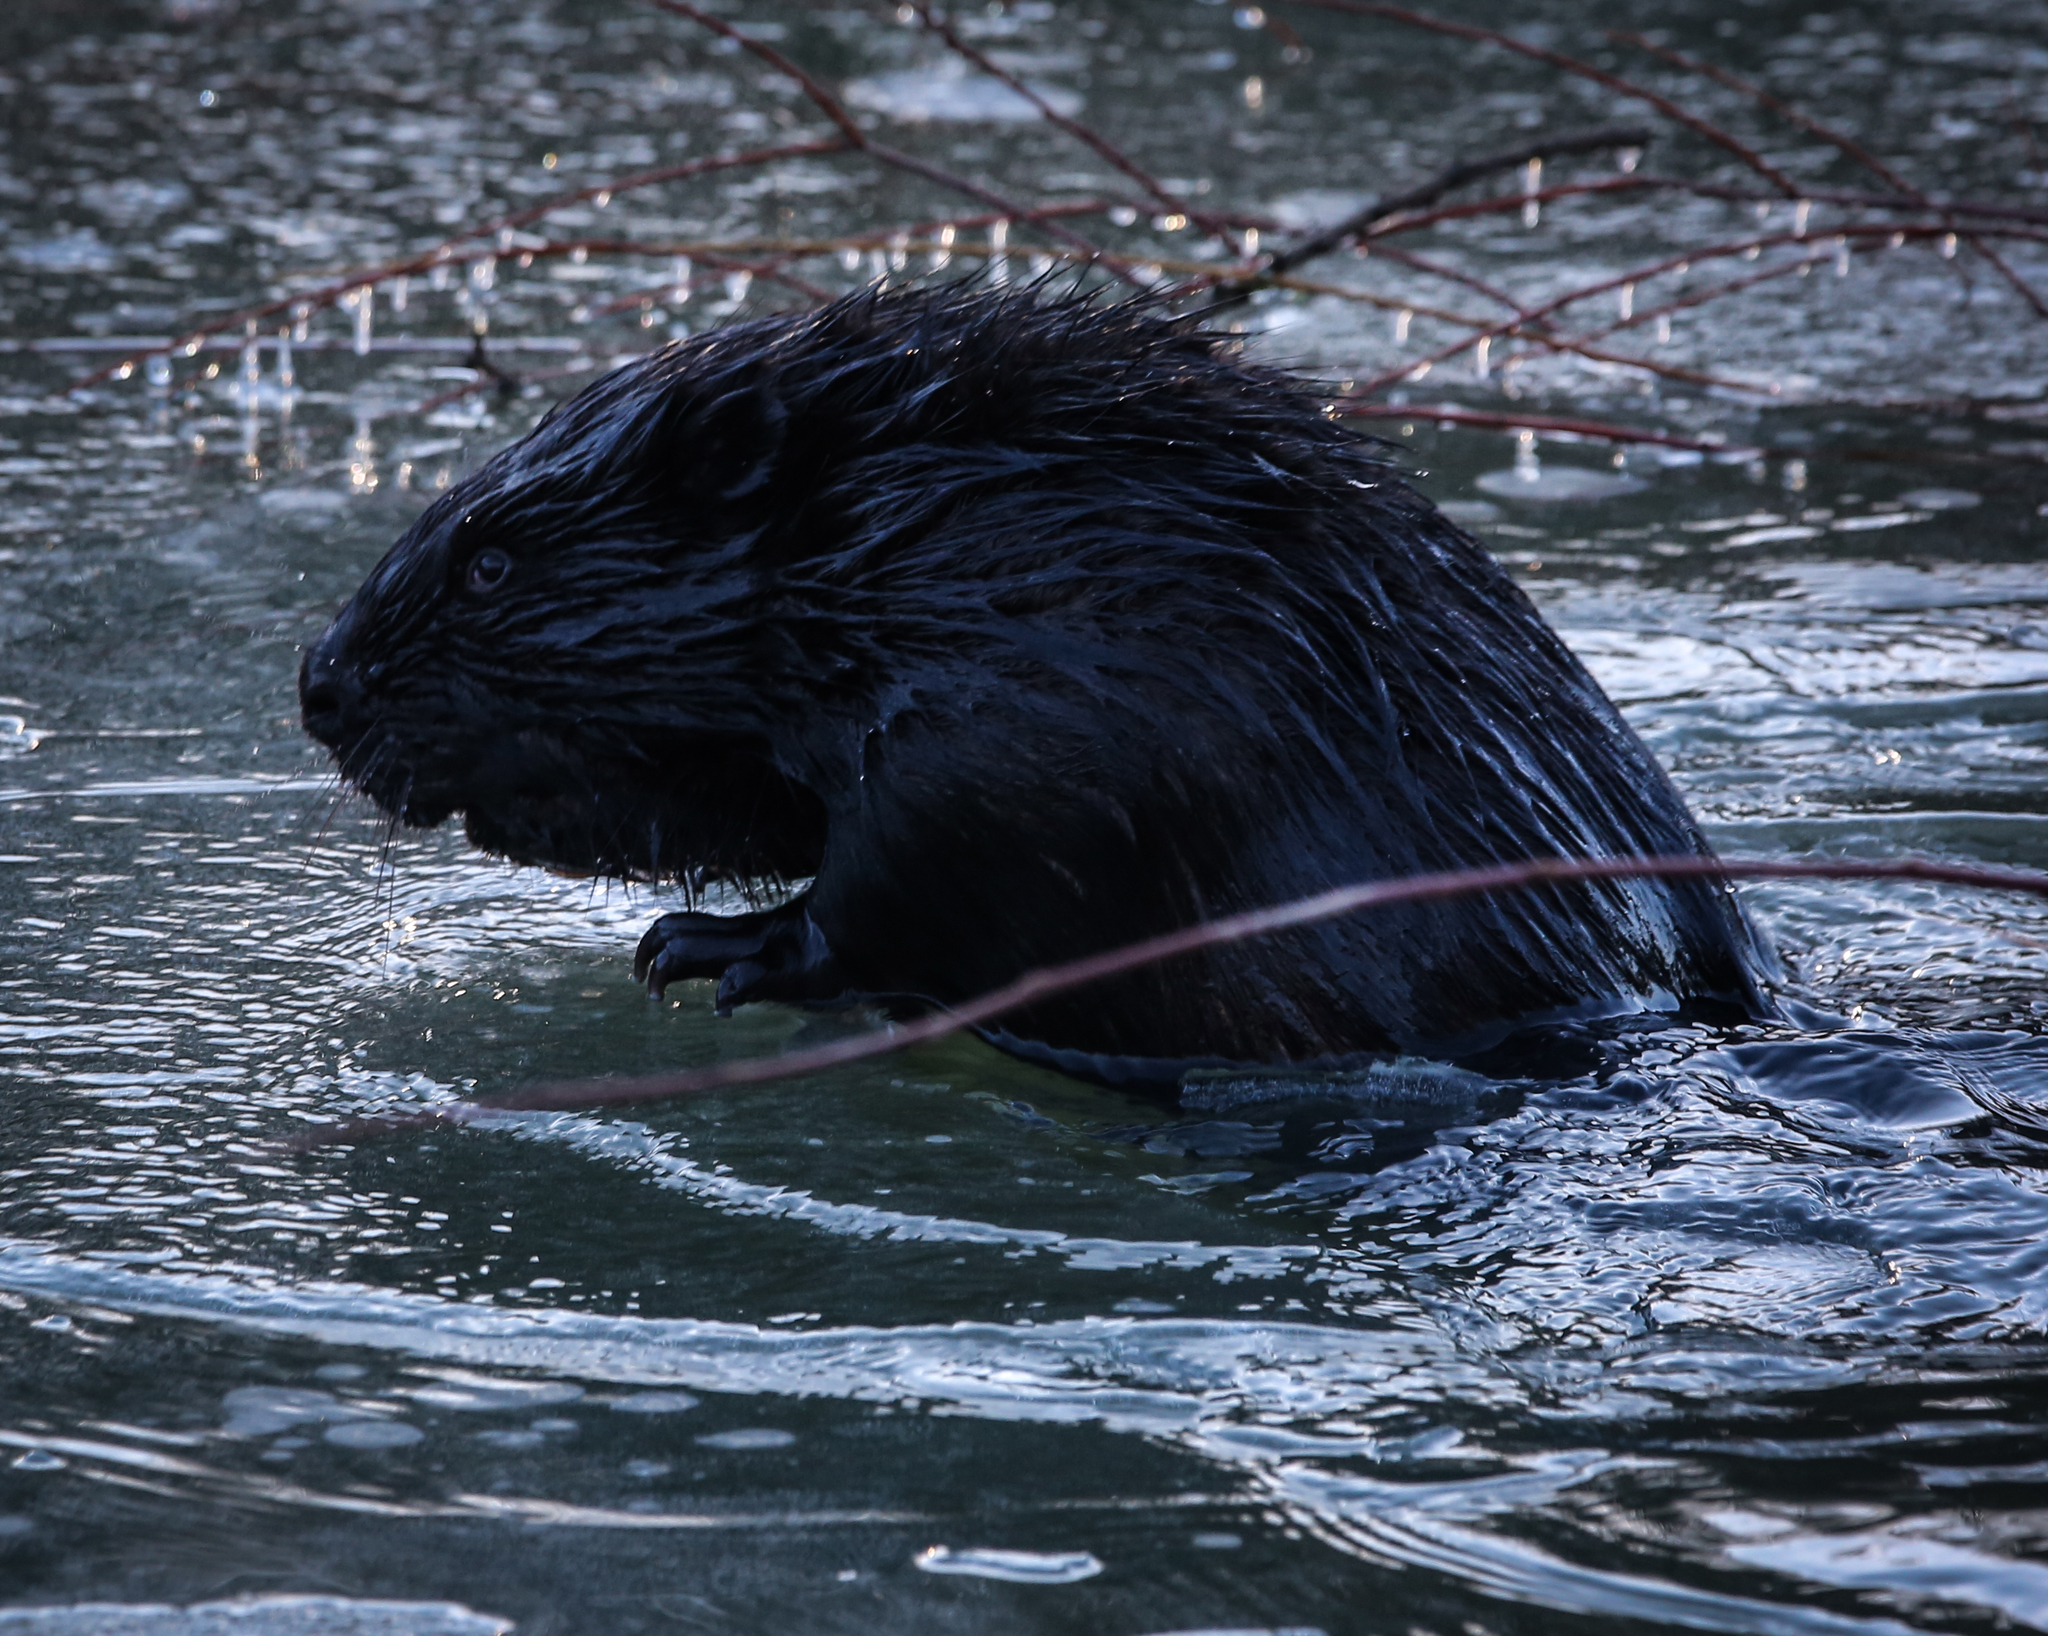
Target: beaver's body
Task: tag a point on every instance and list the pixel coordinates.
(1024, 629)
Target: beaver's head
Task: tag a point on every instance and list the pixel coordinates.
(664, 632)
(565, 647)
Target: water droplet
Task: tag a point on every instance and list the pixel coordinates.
(401, 288)
(604, 198)
(944, 253)
(1402, 322)
(849, 258)
(899, 252)
(1948, 247)
(366, 302)
(1628, 159)
(1480, 353)
(208, 99)
(1841, 258)
(1249, 17)
(578, 256)
(39, 1460)
(1532, 184)
(483, 273)
(998, 243)
(1123, 215)
(1800, 212)
(548, 161)
(1251, 241)
(124, 371)
(679, 280)
(1663, 328)
(737, 284)
(157, 369)
(1169, 224)
(1628, 301)
(504, 241)
(1254, 92)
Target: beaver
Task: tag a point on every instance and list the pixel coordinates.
(970, 631)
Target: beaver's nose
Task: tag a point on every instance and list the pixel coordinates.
(330, 690)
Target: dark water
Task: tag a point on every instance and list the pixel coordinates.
(1739, 1332)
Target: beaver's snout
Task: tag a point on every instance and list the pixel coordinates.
(339, 705)
(330, 691)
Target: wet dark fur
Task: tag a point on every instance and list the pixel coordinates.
(1028, 628)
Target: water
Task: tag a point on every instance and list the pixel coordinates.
(1742, 1332)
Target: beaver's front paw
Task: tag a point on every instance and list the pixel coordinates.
(777, 955)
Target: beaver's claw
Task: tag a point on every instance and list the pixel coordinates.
(776, 955)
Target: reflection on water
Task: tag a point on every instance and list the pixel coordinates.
(1736, 1331)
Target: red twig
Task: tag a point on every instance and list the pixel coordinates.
(896, 158)
(2027, 225)
(1640, 275)
(1039, 985)
(1827, 133)
(771, 271)
(1450, 275)
(1697, 298)
(1571, 65)
(1784, 110)
(1503, 420)
(1233, 289)
(325, 295)
(1104, 149)
(2027, 222)
(484, 382)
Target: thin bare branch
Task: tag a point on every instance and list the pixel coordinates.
(1827, 133)
(1571, 65)
(1421, 197)
(1042, 984)
(327, 294)
(835, 110)
(1169, 201)
(1511, 421)
(1784, 110)
(1643, 274)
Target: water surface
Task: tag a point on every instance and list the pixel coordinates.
(1740, 1331)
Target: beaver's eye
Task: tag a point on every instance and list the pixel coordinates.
(488, 570)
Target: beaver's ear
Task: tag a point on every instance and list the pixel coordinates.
(735, 441)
